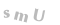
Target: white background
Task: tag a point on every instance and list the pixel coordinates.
(51, 7)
